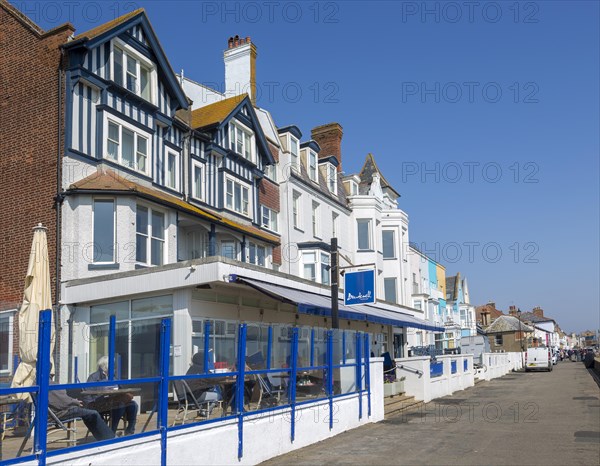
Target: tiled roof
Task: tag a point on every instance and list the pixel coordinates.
(111, 181)
(491, 309)
(366, 176)
(531, 317)
(508, 324)
(450, 285)
(215, 113)
(101, 29)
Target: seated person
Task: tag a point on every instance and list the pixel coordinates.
(66, 407)
(117, 406)
(199, 387)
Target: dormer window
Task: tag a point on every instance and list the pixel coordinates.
(312, 166)
(132, 71)
(241, 141)
(352, 188)
(332, 178)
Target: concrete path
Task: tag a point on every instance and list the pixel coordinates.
(521, 418)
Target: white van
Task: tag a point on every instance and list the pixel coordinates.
(538, 359)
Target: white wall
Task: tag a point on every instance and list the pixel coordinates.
(265, 435)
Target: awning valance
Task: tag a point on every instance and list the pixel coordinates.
(317, 304)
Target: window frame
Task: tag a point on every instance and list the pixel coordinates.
(150, 237)
(141, 62)
(295, 157)
(248, 139)
(201, 166)
(297, 209)
(319, 265)
(272, 215)
(394, 252)
(313, 169)
(114, 228)
(9, 316)
(316, 221)
(137, 133)
(335, 226)
(332, 178)
(369, 234)
(243, 186)
(177, 156)
(385, 289)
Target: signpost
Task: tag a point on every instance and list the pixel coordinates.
(359, 287)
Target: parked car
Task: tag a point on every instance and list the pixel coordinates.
(539, 358)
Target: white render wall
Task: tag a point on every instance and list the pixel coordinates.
(265, 435)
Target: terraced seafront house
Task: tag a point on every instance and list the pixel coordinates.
(180, 201)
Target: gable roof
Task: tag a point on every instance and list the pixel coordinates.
(214, 114)
(105, 32)
(110, 181)
(30, 24)
(508, 324)
(451, 290)
(366, 176)
(489, 308)
(531, 317)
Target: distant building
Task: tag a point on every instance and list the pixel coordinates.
(546, 329)
(486, 314)
(460, 313)
(508, 334)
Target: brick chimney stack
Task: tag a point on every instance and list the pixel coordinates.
(512, 310)
(538, 312)
(240, 67)
(329, 137)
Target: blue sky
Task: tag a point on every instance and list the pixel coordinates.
(484, 119)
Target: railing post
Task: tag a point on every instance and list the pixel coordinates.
(163, 394)
(76, 369)
(293, 375)
(43, 382)
(343, 347)
(368, 373)
(359, 374)
(112, 333)
(330, 375)
(269, 346)
(206, 345)
(239, 397)
(312, 347)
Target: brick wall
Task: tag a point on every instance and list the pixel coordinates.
(329, 137)
(29, 80)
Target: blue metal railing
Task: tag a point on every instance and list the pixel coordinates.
(361, 384)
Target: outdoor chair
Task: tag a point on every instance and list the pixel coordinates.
(267, 393)
(55, 426)
(187, 402)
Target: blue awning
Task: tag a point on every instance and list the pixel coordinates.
(317, 304)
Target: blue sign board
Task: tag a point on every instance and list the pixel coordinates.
(359, 287)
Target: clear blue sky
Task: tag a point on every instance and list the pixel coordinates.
(373, 64)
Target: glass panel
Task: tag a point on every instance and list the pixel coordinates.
(229, 199)
(171, 169)
(238, 197)
(197, 182)
(112, 147)
(101, 313)
(245, 201)
(127, 149)
(145, 347)
(310, 272)
(228, 249)
(324, 269)
(257, 337)
(4, 336)
(141, 248)
(118, 66)
(388, 244)
(363, 234)
(158, 225)
(260, 253)
(252, 253)
(142, 152)
(99, 347)
(154, 306)
(131, 74)
(141, 220)
(223, 344)
(390, 289)
(145, 83)
(104, 230)
(282, 346)
(240, 142)
(157, 252)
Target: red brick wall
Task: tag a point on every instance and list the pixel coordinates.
(268, 194)
(277, 255)
(329, 137)
(29, 61)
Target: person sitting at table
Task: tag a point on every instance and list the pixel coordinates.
(66, 408)
(117, 406)
(202, 392)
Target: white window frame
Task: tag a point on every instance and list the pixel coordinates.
(295, 158)
(395, 289)
(353, 188)
(150, 236)
(318, 264)
(109, 118)
(394, 252)
(313, 169)
(369, 234)
(140, 61)
(201, 166)
(247, 143)
(332, 178)
(243, 186)
(316, 221)
(114, 201)
(168, 153)
(335, 224)
(272, 218)
(10, 315)
(297, 209)
(257, 247)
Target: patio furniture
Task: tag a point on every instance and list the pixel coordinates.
(55, 426)
(188, 402)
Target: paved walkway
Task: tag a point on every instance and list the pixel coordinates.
(521, 418)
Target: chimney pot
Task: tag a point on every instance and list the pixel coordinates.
(230, 43)
(248, 40)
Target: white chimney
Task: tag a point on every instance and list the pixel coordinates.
(240, 68)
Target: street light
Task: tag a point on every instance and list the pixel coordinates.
(520, 333)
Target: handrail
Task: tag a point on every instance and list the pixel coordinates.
(410, 369)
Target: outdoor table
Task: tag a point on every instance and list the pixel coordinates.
(109, 393)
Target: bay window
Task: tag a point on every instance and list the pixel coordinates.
(104, 230)
(126, 146)
(315, 266)
(309, 263)
(237, 197)
(150, 236)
